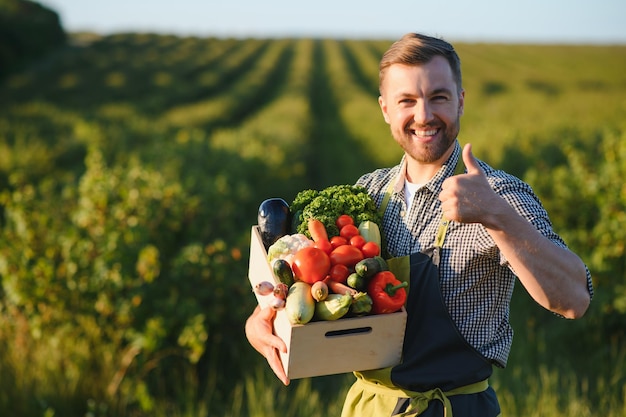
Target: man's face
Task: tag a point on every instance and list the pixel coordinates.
(422, 106)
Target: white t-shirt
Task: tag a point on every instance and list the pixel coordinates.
(409, 190)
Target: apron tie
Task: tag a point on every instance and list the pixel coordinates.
(419, 400)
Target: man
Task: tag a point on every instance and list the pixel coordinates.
(467, 234)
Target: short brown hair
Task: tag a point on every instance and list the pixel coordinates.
(418, 49)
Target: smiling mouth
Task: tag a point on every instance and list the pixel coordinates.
(424, 134)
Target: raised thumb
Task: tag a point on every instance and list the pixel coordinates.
(468, 159)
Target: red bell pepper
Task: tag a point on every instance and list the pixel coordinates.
(388, 293)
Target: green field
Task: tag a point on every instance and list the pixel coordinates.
(132, 167)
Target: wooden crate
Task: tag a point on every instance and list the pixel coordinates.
(330, 347)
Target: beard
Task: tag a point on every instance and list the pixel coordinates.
(427, 152)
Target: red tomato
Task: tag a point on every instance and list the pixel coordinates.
(311, 265)
(343, 220)
(324, 245)
(338, 241)
(347, 255)
(339, 273)
(370, 249)
(348, 231)
(358, 241)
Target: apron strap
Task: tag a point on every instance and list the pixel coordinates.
(387, 197)
(443, 225)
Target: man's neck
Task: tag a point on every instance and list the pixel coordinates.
(421, 172)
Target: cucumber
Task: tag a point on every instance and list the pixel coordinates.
(368, 267)
(283, 271)
(382, 263)
(300, 305)
(356, 281)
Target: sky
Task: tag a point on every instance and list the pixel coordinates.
(533, 21)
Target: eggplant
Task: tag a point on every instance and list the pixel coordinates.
(273, 220)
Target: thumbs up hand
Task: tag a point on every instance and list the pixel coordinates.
(468, 198)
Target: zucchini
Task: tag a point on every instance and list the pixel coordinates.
(300, 305)
(371, 232)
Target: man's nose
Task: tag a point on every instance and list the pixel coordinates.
(422, 113)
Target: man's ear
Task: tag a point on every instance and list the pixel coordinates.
(383, 108)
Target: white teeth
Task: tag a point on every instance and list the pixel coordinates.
(426, 132)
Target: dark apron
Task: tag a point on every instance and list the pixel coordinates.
(440, 371)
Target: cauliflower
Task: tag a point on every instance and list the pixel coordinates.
(287, 246)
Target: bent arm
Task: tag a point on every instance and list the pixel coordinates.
(555, 277)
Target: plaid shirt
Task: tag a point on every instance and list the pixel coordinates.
(476, 280)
